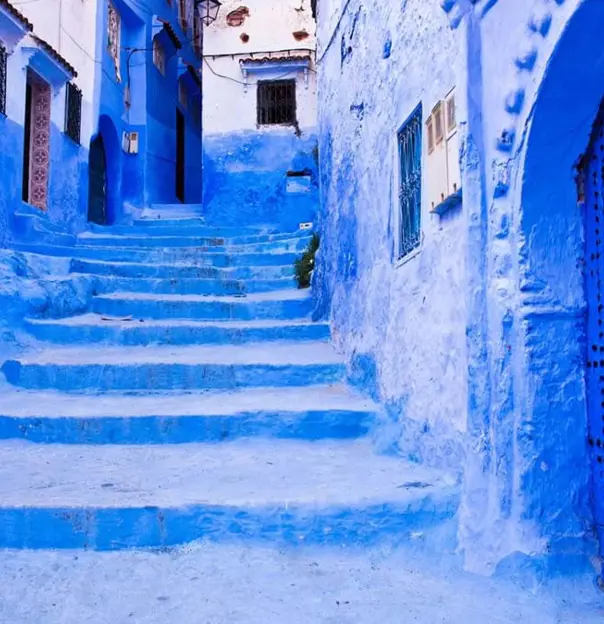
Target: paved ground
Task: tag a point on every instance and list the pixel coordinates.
(209, 584)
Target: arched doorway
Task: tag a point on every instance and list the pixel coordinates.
(97, 182)
(591, 180)
(559, 400)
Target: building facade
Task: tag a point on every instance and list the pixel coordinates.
(260, 114)
(149, 108)
(47, 71)
(476, 321)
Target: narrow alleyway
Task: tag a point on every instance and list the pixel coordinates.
(198, 411)
(195, 402)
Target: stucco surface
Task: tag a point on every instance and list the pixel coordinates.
(401, 325)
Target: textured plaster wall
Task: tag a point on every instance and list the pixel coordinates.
(528, 488)
(245, 165)
(401, 325)
(479, 339)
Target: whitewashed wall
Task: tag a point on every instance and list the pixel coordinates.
(270, 26)
(69, 26)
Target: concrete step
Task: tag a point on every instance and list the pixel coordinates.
(105, 284)
(181, 227)
(179, 271)
(94, 328)
(319, 412)
(186, 255)
(172, 211)
(210, 245)
(285, 305)
(157, 368)
(112, 497)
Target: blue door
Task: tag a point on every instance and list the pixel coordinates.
(593, 189)
(97, 182)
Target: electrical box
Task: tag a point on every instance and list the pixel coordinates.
(130, 142)
(133, 143)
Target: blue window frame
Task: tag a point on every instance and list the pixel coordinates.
(410, 183)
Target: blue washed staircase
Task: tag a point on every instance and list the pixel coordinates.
(196, 399)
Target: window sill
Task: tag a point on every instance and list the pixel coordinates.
(410, 256)
(449, 203)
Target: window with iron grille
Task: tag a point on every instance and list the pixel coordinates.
(276, 102)
(73, 112)
(3, 59)
(410, 183)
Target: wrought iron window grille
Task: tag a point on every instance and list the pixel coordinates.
(276, 102)
(73, 112)
(410, 184)
(3, 66)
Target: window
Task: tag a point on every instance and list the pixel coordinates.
(276, 102)
(437, 115)
(113, 37)
(159, 56)
(182, 94)
(3, 59)
(451, 116)
(430, 132)
(182, 14)
(73, 112)
(197, 36)
(410, 183)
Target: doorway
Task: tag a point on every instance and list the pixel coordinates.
(97, 182)
(36, 152)
(180, 156)
(592, 182)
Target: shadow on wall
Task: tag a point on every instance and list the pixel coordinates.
(246, 181)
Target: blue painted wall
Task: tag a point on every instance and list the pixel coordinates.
(149, 176)
(401, 325)
(245, 177)
(476, 344)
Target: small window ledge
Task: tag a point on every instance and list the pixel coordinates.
(448, 204)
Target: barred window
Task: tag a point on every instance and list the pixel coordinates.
(276, 102)
(114, 28)
(159, 55)
(73, 112)
(410, 183)
(3, 59)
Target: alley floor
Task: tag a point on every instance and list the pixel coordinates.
(227, 584)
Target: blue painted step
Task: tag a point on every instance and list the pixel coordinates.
(195, 228)
(189, 286)
(186, 255)
(111, 497)
(268, 364)
(210, 245)
(320, 412)
(179, 271)
(91, 328)
(286, 305)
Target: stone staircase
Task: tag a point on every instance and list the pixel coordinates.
(196, 399)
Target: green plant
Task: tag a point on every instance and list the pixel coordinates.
(306, 263)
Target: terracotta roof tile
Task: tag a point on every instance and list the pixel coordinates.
(275, 59)
(50, 50)
(15, 13)
(171, 33)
